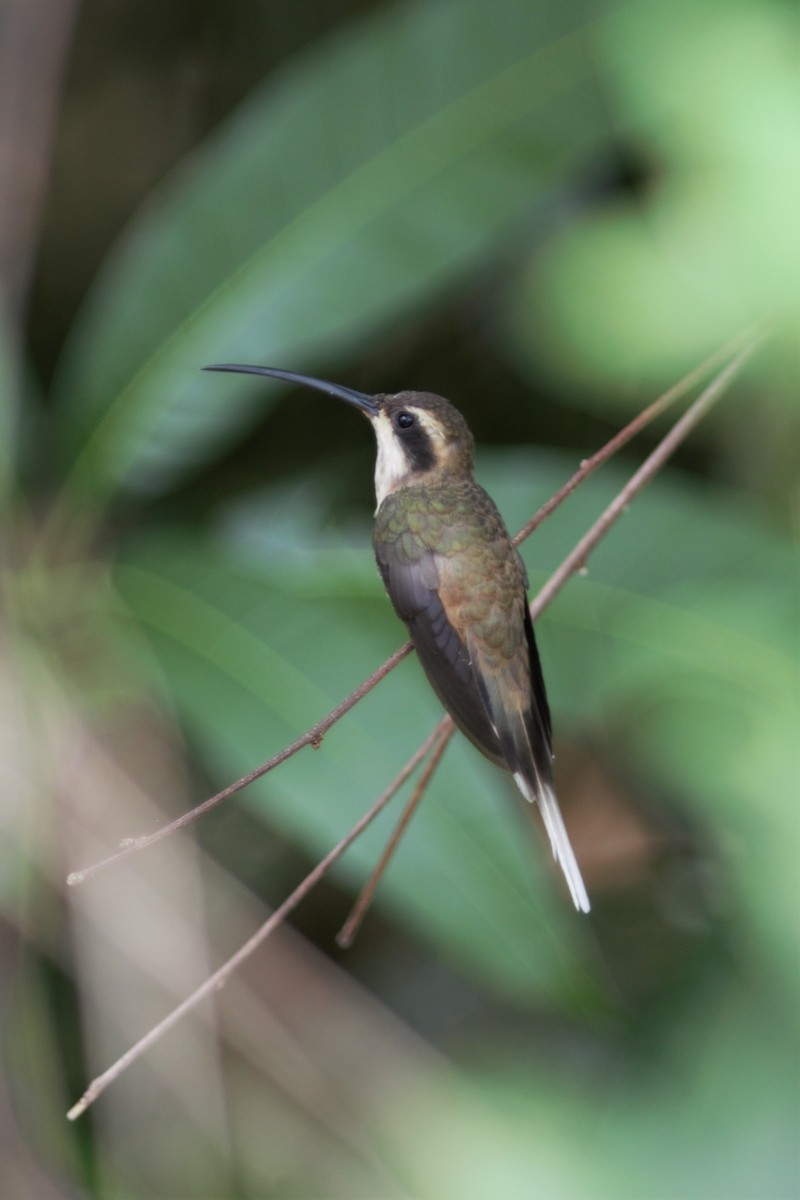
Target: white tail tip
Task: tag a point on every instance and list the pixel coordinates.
(559, 841)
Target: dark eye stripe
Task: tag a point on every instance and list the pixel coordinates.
(418, 447)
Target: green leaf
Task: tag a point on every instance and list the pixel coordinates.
(360, 181)
(725, 1093)
(678, 640)
(679, 645)
(251, 667)
(638, 290)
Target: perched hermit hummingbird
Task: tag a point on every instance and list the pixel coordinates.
(459, 584)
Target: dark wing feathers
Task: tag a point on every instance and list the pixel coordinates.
(509, 735)
(540, 704)
(509, 694)
(413, 590)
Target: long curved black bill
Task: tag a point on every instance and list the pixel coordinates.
(361, 400)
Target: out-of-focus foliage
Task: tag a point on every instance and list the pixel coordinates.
(424, 194)
(703, 665)
(346, 191)
(711, 95)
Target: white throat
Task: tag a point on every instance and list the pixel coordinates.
(391, 467)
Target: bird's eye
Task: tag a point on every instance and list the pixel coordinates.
(404, 420)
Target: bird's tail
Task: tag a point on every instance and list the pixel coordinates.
(559, 838)
(524, 737)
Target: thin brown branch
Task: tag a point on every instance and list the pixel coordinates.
(576, 559)
(313, 736)
(220, 976)
(444, 731)
(644, 418)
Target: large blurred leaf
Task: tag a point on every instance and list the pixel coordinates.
(253, 665)
(681, 644)
(725, 1090)
(369, 173)
(688, 601)
(711, 94)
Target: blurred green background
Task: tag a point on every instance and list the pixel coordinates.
(547, 213)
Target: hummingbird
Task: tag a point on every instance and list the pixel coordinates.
(459, 584)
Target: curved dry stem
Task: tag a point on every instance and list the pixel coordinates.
(312, 737)
(217, 980)
(644, 418)
(576, 559)
(443, 732)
